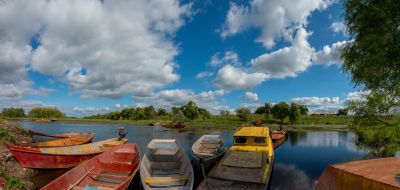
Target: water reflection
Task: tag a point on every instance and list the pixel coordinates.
(288, 177)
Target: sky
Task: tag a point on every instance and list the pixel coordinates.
(89, 57)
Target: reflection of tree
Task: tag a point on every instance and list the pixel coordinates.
(296, 136)
(288, 177)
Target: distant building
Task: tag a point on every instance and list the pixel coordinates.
(323, 113)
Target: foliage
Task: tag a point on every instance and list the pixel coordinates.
(266, 109)
(373, 56)
(13, 112)
(224, 112)
(382, 142)
(280, 111)
(11, 182)
(190, 110)
(303, 109)
(6, 136)
(343, 111)
(46, 113)
(294, 113)
(243, 113)
(162, 112)
(376, 109)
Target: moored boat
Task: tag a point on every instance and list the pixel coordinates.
(113, 169)
(276, 135)
(248, 163)
(60, 157)
(178, 125)
(79, 138)
(166, 166)
(207, 151)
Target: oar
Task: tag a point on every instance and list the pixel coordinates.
(83, 177)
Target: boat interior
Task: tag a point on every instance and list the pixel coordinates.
(165, 165)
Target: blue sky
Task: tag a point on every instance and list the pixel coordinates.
(88, 57)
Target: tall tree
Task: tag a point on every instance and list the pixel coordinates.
(294, 113)
(303, 109)
(280, 111)
(243, 113)
(191, 110)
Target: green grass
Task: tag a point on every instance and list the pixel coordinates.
(12, 183)
(6, 136)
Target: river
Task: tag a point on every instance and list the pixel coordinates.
(298, 161)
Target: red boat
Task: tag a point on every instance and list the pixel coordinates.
(60, 157)
(178, 125)
(276, 135)
(113, 169)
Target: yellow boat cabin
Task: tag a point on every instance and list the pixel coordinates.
(253, 138)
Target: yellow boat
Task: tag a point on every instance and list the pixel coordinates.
(247, 164)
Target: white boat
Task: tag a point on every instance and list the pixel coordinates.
(207, 151)
(166, 166)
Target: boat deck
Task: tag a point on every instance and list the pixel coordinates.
(371, 174)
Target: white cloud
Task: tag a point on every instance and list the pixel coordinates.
(86, 111)
(288, 61)
(339, 27)
(204, 74)
(229, 57)
(230, 77)
(276, 18)
(330, 55)
(13, 91)
(315, 101)
(98, 48)
(251, 96)
(357, 96)
(210, 95)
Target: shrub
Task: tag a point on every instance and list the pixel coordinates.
(46, 113)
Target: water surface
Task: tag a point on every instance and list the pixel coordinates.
(298, 162)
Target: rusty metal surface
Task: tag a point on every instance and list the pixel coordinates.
(371, 174)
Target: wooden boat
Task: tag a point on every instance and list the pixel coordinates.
(248, 163)
(276, 135)
(178, 125)
(60, 135)
(79, 138)
(207, 151)
(166, 166)
(113, 169)
(60, 157)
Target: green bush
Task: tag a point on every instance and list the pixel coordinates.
(13, 112)
(46, 113)
(6, 136)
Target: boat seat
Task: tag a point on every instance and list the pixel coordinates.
(159, 156)
(123, 155)
(160, 182)
(108, 179)
(114, 173)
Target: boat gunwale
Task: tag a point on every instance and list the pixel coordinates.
(36, 150)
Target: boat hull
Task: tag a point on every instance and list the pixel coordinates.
(276, 135)
(46, 161)
(121, 162)
(60, 157)
(68, 141)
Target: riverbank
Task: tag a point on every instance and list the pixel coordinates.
(218, 123)
(13, 174)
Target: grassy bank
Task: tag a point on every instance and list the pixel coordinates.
(231, 122)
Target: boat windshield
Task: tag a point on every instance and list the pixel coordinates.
(240, 140)
(259, 140)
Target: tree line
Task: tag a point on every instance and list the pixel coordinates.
(279, 111)
(190, 111)
(41, 112)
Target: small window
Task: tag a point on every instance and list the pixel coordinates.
(240, 140)
(259, 140)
